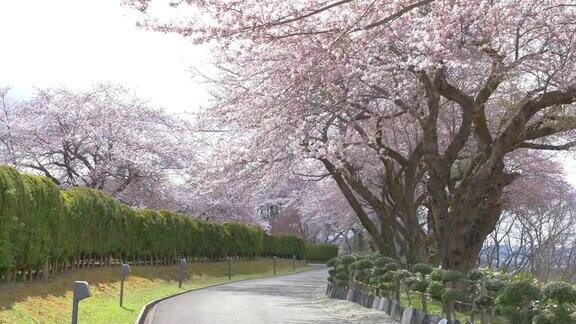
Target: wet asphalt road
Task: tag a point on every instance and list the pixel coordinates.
(297, 298)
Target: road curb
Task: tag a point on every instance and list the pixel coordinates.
(146, 310)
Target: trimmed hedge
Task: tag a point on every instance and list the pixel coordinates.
(320, 252)
(46, 230)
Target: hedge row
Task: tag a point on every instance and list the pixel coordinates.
(46, 230)
(320, 252)
(518, 297)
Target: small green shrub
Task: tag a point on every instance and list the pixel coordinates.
(420, 285)
(437, 275)
(475, 275)
(435, 289)
(451, 294)
(484, 302)
(361, 265)
(560, 292)
(423, 269)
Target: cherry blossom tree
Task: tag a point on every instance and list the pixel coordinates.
(102, 138)
(451, 88)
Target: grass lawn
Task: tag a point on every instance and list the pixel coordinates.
(50, 301)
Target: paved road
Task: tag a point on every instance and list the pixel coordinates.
(297, 298)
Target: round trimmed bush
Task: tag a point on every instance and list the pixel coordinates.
(475, 275)
(518, 293)
(437, 275)
(342, 276)
(484, 302)
(361, 265)
(332, 262)
(420, 285)
(346, 259)
(435, 289)
(495, 285)
(559, 292)
(422, 269)
(383, 261)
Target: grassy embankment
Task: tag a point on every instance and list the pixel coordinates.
(50, 301)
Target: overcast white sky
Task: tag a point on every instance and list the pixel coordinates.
(76, 43)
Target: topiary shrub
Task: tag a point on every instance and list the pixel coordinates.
(475, 275)
(437, 275)
(421, 286)
(342, 279)
(435, 289)
(383, 261)
(361, 265)
(362, 276)
(494, 285)
(346, 259)
(422, 269)
(484, 302)
(516, 302)
(555, 314)
(559, 292)
(332, 262)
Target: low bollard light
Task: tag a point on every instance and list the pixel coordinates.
(229, 259)
(124, 272)
(182, 272)
(275, 258)
(81, 291)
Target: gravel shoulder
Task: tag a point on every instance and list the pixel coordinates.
(297, 298)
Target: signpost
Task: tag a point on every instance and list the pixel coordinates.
(275, 258)
(81, 291)
(182, 273)
(124, 272)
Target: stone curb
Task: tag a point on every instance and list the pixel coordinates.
(404, 315)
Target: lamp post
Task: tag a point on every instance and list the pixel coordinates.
(294, 263)
(182, 273)
(81, 291)
(124, 271)
(275, 258)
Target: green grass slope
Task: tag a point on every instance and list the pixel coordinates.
(51, 301)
